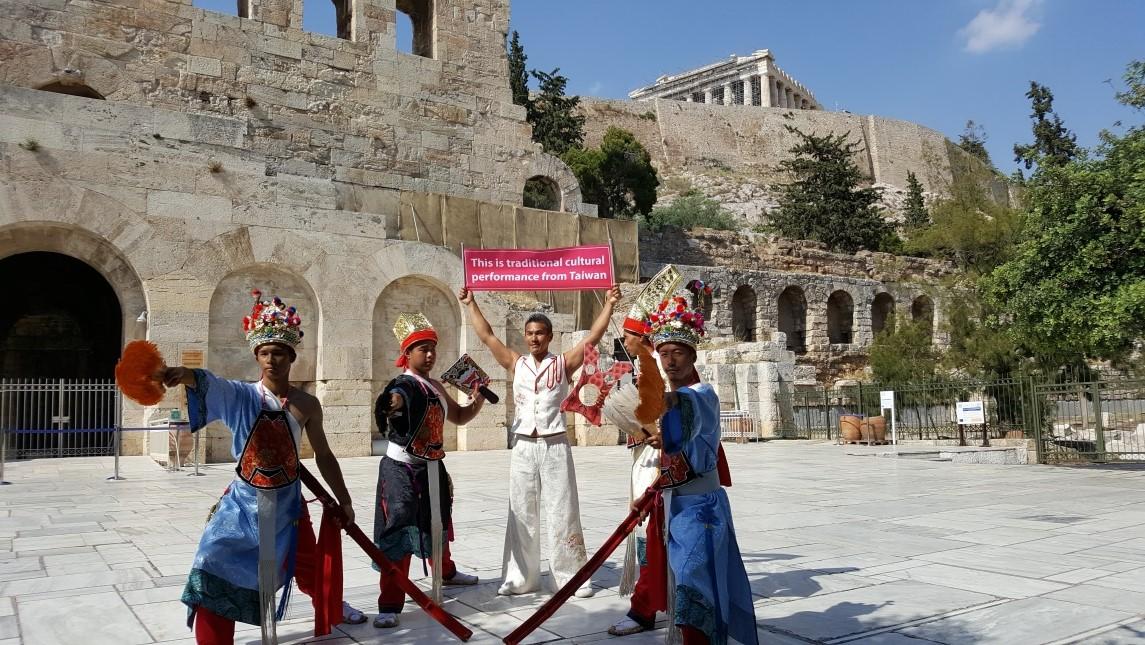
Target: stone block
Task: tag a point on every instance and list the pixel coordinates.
(469, 438)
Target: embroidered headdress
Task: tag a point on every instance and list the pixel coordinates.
(662, 285)
(411, 329)
(674, 322)
(271, 321)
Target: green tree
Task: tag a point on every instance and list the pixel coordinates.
(556, 124)
(690, 210)
(914, 208)
(618, 176)
(973, 141)
(967, 226)
(825, 202)
(903, 353)
(1053, 144)
(518, 76)
(1076, 285)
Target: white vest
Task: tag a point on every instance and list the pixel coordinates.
(537, 394)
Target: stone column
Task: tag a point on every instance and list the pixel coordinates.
(729, 95)
(781, 94)
(688, 97)
(796, 101)
(768, 91)
(788, 97)
(708, 95)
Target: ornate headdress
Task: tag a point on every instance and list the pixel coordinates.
(662, 285)
(674, 322)
(271, 321)
(410, 329)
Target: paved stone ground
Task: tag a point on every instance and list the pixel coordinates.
(839, 548)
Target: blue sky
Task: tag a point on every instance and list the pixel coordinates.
(934, 62)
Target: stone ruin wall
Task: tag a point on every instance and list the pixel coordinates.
(766, 266)
(730, 152)
(230, 153)
(352, 111)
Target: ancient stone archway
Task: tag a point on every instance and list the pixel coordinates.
(882, 313)
(792, 309)
(922, 313)
(840, 318)
(95, 252)
(61, 319)
(228, 354)
(743, 314)
(542, 193)
(421, 18)
(553, 169)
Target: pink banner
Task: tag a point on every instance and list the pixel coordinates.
(569, 269)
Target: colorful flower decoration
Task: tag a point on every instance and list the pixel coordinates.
(271, 321)
(674, 322)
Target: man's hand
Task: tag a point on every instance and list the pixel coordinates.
(172, 376)
(613, 296)
(465, 296)
(396, 404)
(643, 513)
(348, 513)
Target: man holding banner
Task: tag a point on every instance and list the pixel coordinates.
(541, 467)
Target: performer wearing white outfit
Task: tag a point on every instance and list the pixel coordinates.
(541, 472)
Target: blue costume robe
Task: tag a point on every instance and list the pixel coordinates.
(224, 574)
(712, 590)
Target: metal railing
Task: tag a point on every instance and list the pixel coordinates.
(1097, 421)
(59, 417)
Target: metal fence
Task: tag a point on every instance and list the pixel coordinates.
(923, 410)
(1096, 421)
(58, 417)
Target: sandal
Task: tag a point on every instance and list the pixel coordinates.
(352, 616)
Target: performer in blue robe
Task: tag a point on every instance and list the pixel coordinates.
(249, 547)
(712, 597)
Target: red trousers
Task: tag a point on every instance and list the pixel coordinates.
(651, 593)
(391, 598)
(317, 572)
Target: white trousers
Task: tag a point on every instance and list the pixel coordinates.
(542, 476)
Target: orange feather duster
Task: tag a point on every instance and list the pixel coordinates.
(650, 385)
(136, 370)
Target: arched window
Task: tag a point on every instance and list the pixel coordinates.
(743, 314)
(415, 27)
(883, 313)
(840, 317)
(922, 313)
(543, 193)
(793, 318)
(72, 90)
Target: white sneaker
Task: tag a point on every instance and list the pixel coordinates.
(625, 627)
(386, 620)
(585, 592)
(460, 579)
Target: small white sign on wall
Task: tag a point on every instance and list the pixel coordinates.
(971, 413)
(887, 400)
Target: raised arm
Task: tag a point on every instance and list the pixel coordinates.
(327, 462)
(574, 356)
(504, 356)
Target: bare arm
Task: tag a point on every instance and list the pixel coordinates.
(462, 414)
(327, 463)
(504, 356)
(574, 356)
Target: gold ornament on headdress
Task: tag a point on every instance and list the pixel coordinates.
(661, 286)
(409, 324)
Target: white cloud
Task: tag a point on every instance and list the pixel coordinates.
(1007, 24)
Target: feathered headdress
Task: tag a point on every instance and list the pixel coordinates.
(271, 321)
(659, 287)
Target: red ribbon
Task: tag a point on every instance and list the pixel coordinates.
(411, 340)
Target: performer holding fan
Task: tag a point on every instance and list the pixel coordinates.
(259, 536)
(414, 496)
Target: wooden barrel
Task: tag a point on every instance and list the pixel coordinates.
(849, 427)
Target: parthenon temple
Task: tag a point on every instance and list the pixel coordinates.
(739, 80)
